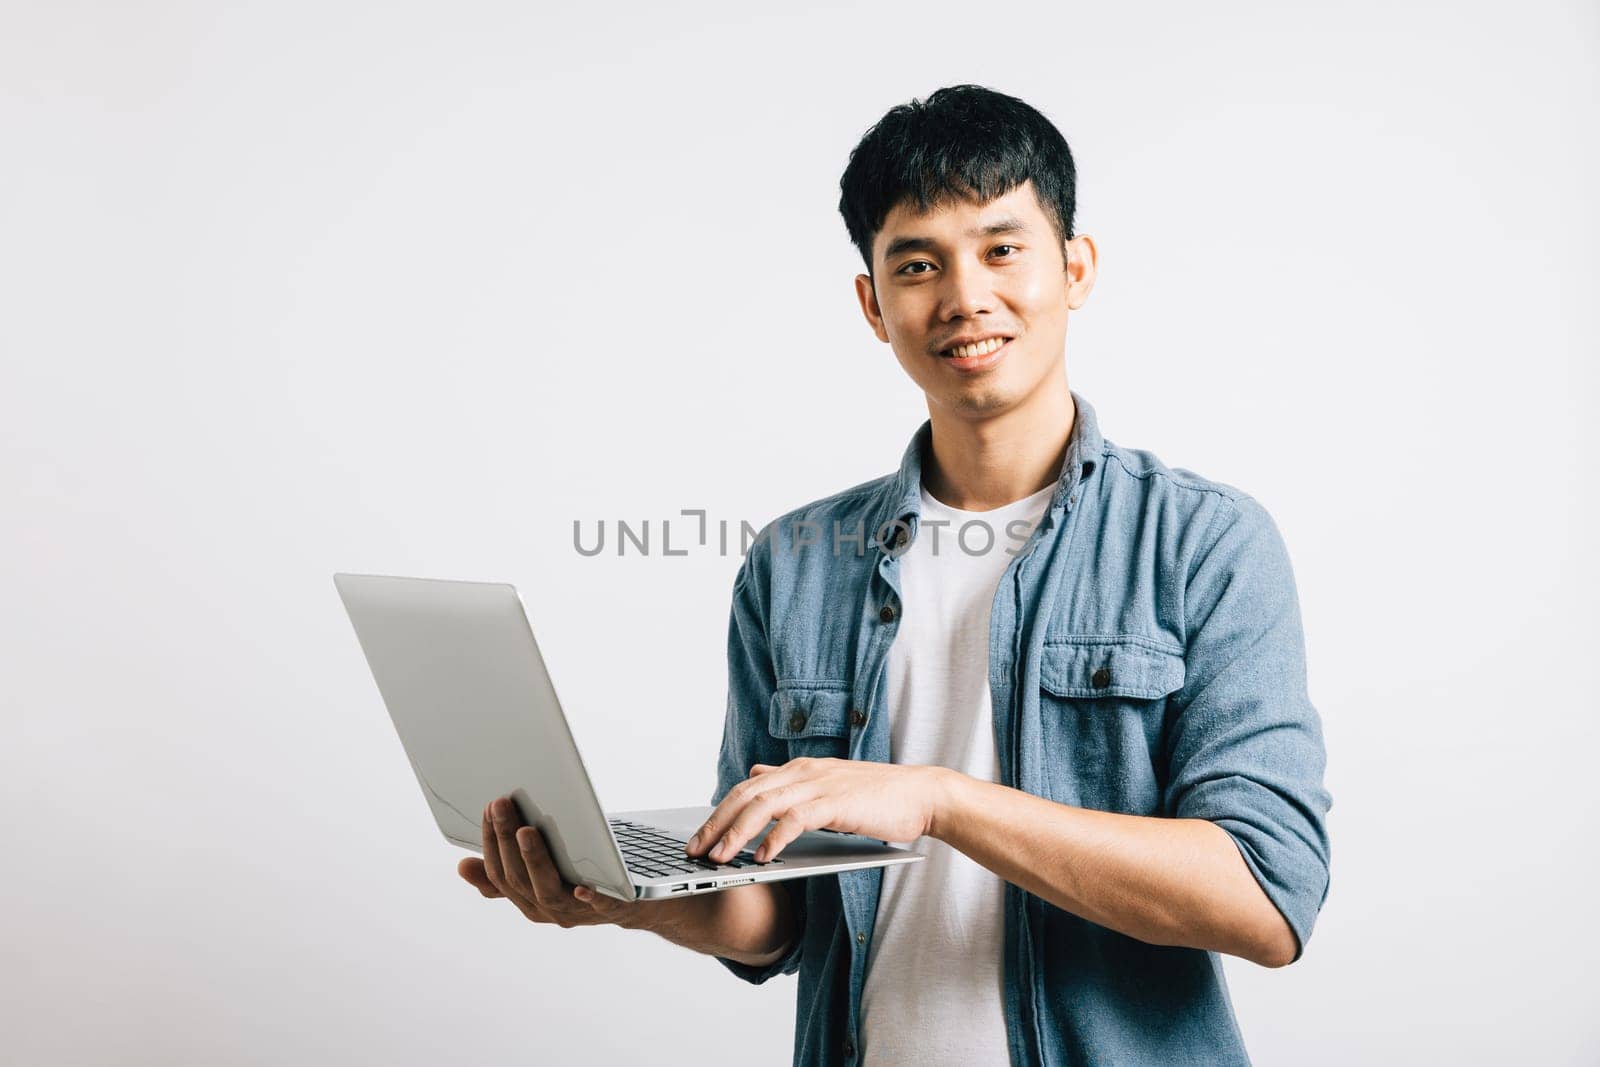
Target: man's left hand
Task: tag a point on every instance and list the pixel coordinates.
(886, 801)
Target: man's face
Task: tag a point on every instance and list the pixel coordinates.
(965, 271)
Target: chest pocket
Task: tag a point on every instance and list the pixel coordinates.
(1102, 705)
(814, 721)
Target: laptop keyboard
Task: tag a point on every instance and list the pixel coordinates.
(657, 854)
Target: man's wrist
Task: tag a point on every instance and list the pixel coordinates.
(947, 788)
(738, 924)
(665, 917)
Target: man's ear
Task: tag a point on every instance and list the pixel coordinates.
(867, 295)
(1081, 259)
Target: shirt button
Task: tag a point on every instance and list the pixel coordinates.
(861, 939)
(797, 721)
(856, 718)
(900, 539)
(1101, 678)
(886, 614)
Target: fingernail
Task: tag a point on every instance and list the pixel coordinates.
(581, 893)
(694, 842)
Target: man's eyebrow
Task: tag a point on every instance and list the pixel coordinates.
(1009, 224)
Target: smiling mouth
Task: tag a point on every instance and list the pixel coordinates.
(972, 351)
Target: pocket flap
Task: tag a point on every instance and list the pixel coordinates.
(809, 712)
(1115, 665)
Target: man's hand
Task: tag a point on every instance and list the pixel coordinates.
(888, 801)
(516, 865)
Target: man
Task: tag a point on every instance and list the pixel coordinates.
(1097, 728)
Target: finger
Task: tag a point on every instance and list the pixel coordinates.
(604, 909)
(722, 817)
(734, 804)
(760, 811)
(491, 852)
(794, 822)
(512, 865)
(471, 868)
(701, 840)
(548, 887)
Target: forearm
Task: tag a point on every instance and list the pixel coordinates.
(752, 924)
(1163, 881)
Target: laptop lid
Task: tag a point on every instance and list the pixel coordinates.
(466, 687)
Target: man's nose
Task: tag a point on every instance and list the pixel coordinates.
(966, 291)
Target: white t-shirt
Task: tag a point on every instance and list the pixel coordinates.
(934, 990)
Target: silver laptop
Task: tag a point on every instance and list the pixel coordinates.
(460, 672)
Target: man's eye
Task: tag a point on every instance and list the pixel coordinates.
(1012, 247)
(915, 263)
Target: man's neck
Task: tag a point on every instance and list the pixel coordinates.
(980, 465)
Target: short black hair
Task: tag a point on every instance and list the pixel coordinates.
(963, 141)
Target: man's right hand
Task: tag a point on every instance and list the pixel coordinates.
(516, 865)
(746, 923)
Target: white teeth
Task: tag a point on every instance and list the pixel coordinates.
(982, 348)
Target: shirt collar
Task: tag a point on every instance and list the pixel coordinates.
(903, 498)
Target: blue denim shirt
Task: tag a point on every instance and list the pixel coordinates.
(1145, 657)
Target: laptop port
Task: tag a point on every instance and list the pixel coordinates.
(704, 885)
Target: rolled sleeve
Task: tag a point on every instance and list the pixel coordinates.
(746, 740)
(1246, 744)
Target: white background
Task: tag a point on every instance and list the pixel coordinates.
(290, 289)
